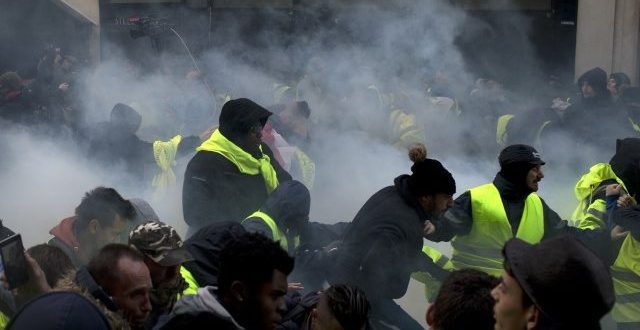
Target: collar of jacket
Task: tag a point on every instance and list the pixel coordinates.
(402, 186)
(205, 300)
(244, 161)
(509, 190)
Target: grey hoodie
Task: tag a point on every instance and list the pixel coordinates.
(205, 301)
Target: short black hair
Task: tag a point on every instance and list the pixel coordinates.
(103, 204)
(104, 266)
(54, 262)
(464, 301)
(251, 258)
(348, 305)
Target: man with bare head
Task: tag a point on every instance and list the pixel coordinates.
(121, 273)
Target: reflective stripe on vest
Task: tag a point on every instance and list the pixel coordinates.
(482, 248)
(277, 234)
(626, 282)
(585, 189)
(432, 285)
(191, 281)
(438, 258)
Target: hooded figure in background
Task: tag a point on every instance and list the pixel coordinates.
(116, 144)
(233, 172)
(383, 245)
(593, 120)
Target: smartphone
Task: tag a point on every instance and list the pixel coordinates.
(14, 263)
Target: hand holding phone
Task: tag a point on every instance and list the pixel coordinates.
(14, 263)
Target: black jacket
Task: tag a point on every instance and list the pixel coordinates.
(115, 144)
(383, 244)
(589, 119)
(205, 246)
(215, 190)
(458, 220)
(626, 164)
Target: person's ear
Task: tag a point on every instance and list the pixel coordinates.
(430, 312)
(533, 317)
(238, 291)
(94, 226)
(426, 202)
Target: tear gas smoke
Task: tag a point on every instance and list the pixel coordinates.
(337, 69)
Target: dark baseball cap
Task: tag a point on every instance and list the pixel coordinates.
(568, 283)
(160, 242)
(519, 153)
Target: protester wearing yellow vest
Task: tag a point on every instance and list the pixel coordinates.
(283, 216)
(622, 169)
(626, 266)
(233, 173)
(432, 284)
(484, 218)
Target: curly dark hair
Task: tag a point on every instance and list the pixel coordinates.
(251, 258)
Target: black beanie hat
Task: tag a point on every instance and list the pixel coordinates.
(430, 177)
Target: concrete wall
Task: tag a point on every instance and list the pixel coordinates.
(607, 36)
(88, 11)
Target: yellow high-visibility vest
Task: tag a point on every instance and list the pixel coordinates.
(277, 234)
(307, 168)
(432, 285)
(165, 155)
(626, 282)
(482, 248)
(193, 286)
(591, 213)
(501, 129)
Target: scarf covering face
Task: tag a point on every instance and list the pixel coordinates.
(245, 162)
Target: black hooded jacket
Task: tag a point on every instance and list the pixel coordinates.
(288, 206)
(595, 120)
(214, 189)
(383, 244)
(116, 145)
(458, 220)
(626, 164)
(205, 246)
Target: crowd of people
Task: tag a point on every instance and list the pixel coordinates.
(253, 259)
